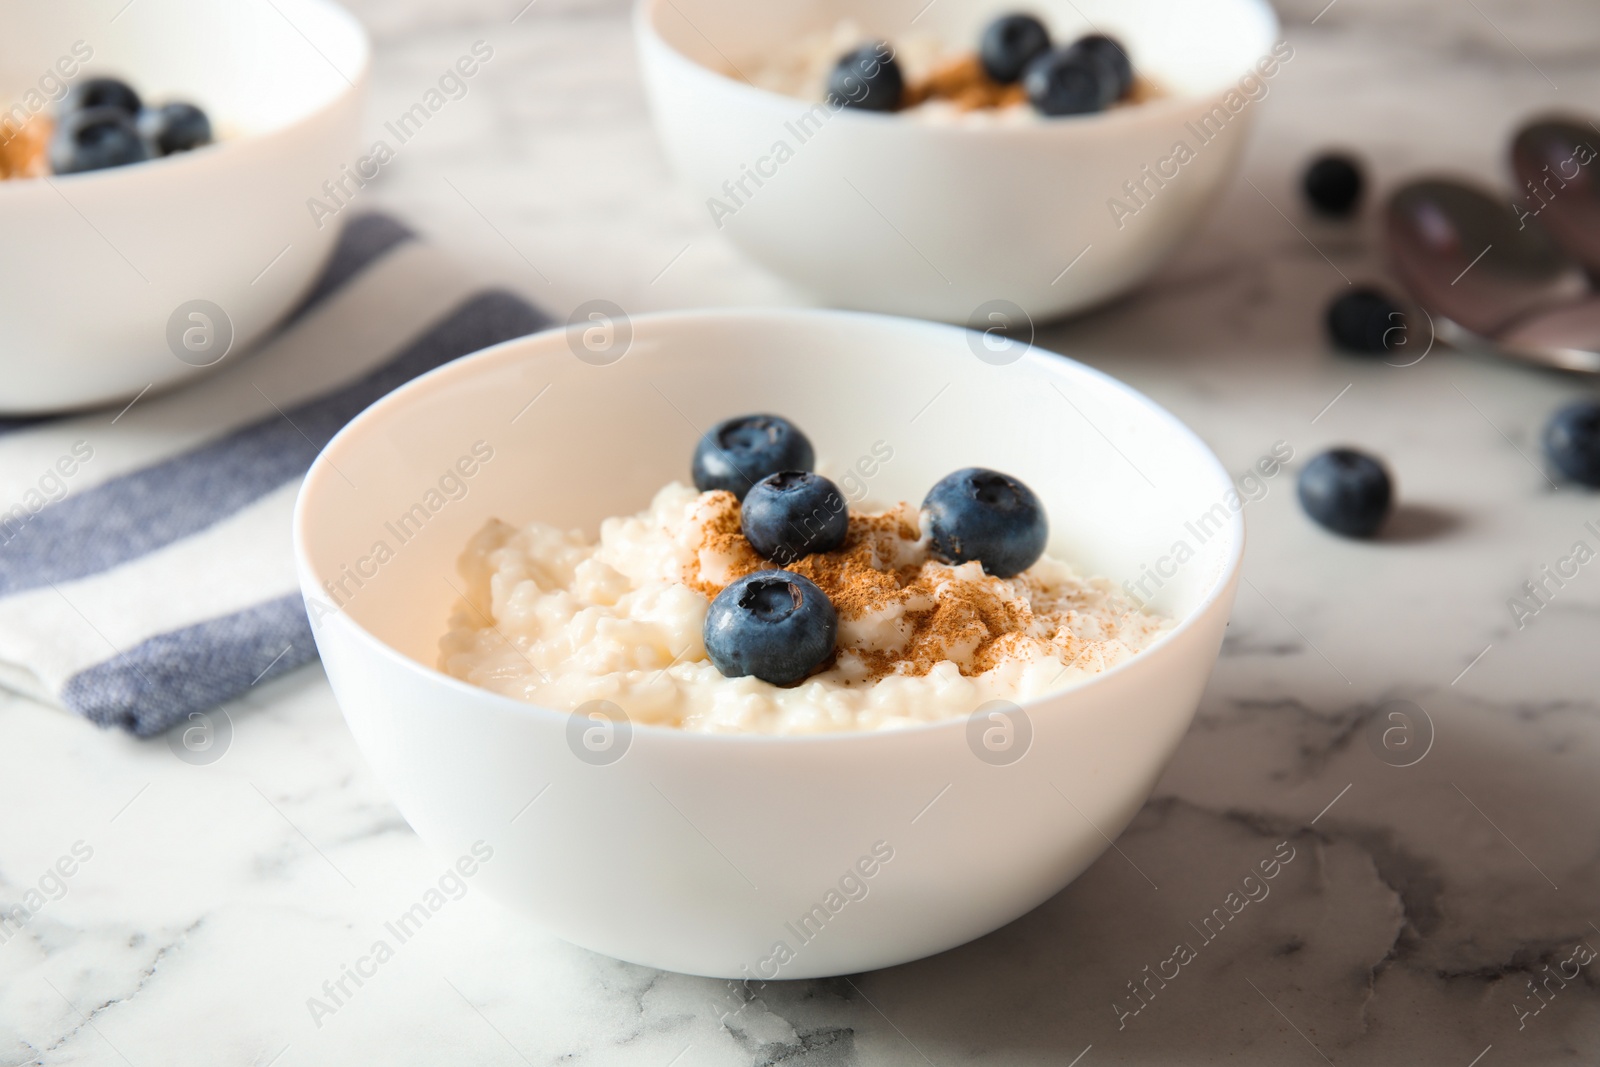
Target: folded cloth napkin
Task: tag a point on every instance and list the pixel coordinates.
(145, 563)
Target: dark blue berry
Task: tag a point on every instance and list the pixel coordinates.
(101, 92)
(1009, 43)
(774, 625)
(1333, 184)
(977, 514)
(738, 453)
(792, 514)
(95, 139)
(867, 78)
(1572, 441)
(1366, 320)
(175, 127)
(1069, 81)
(1346, 491)
(1109, 52)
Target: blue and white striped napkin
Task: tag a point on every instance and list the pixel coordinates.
(145, 561)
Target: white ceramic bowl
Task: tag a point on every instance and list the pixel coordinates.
(94, 266)
(692, 851)
(884, 213)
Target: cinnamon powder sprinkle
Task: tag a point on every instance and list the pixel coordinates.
(963, 82)
(883, 578)
(23, 147)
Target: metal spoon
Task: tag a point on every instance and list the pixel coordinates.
(1554, 158)
(1492, 279)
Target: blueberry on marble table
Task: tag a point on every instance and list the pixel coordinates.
(1333, 184)
(1009, 43)
(1366, 321)
(983, 515)
(737, 453)
(94, 139)
(101, 92)
(1346, 491)
(792, 514)
(867, 78)
(774, 625)
(174, 127)
(1572, 442)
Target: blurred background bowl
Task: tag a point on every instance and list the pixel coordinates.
(95, 267)
(691, 851)
(883, 213)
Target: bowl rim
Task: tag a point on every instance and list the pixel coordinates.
(356, 84)
(1164, 107)
(1043, 359)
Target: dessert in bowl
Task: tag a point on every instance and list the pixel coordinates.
(887, 212)
(99, 123)
(695, 845)
(788, 610)
(1014, 72)
(107, 258)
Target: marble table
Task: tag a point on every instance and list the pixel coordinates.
(1445, 878)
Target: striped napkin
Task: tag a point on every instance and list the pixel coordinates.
(145, 562)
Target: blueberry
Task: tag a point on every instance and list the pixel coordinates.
(95, 139)
(792, 514)
(775, 625)
(1109, 51)
(1366, 320)
(977, 514)
(867, 78)
(101, 92)
(1572, 441)
(1333, 184)
(1009, 43)
(1346, 491)
(175, 127)
(738, 453)
(1069, 81)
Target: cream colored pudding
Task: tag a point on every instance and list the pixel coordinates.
(556, 619)
(944, 83)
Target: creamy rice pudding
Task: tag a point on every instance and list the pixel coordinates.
(557, 619)
(931, 80)
(97, 123)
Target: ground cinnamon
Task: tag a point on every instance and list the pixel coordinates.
(963, 82)
(23, 148)
(881, 567)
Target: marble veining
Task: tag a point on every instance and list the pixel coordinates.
(1431, 913)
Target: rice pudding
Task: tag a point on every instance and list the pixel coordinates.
(935, 81)
(555, 618)
(98, 123)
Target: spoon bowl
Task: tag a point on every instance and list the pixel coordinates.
(1465, 254)
(1490, 277)
(1554, 159)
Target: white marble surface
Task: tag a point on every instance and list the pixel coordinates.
(219, 898)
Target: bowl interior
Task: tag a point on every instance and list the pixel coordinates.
(254, 67)
(527, 430)
(1193, 48)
